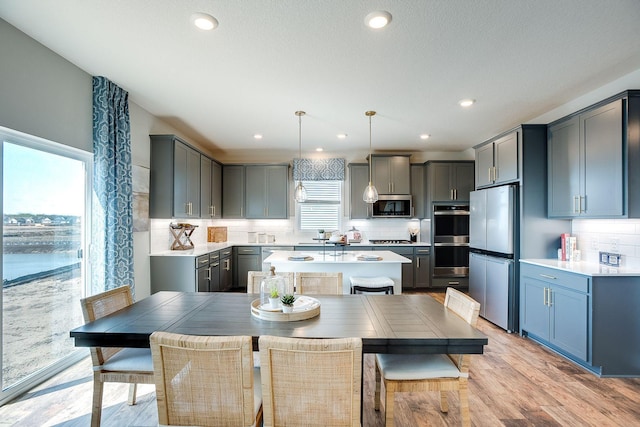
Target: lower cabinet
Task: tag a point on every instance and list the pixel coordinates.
(422, 268)
(245, 259)
(183, 273)
(554, 308)
(226, 269)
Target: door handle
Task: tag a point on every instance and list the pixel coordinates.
(544, 297)
(489, 170)
(227, 264)
(576, 203)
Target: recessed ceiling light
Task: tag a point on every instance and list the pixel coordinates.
(257, 136)
(204, 21)
(467, 102)
(425, 136)
(341, 136)
(319, 149)
(377, 19)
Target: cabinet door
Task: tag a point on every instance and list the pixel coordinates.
(226, 274)
(256, 192)
(381, 174)
(202, 275)
(506, 158)
(400, 175)
(464, 181)
(266, 191)
(603, 176)
(193, 182)
(484, 165)
(277, 192)
(417, 190)
(440, 182)
(246, 263)
(359, 179)
(569, 320)
(233, 191)
(180, 196)
(216, 189)
(205, 187)
(534, 313)
(478, 279)
(563, 179)
(422, 272)
(214, 277)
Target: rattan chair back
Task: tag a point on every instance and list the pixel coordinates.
(319, 283)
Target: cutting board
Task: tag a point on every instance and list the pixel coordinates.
(216, 234)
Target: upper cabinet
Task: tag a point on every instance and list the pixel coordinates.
(210, 188)
(417, 189)
(391, 174)
(358, 180)
(174, 187)
(233, 191)
(497, 160)
(266, 191)
(449, 181)
(593, 158)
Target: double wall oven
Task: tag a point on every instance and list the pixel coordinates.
(450, 241)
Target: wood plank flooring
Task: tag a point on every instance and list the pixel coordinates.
(515, 383)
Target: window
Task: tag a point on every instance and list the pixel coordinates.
(323, 207)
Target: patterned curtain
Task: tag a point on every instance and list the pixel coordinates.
(318, 169)
(112, 220)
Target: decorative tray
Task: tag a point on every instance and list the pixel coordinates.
(303, 308)
(369, 258)
(300, 258)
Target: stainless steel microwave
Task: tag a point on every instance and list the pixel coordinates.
(393, 206)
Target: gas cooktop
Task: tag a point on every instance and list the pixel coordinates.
(390, 242)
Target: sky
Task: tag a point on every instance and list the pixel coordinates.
(41, 183)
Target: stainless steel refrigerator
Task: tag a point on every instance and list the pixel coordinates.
(492, 244)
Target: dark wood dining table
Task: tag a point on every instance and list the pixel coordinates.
(386, 323)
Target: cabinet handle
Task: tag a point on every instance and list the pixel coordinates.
(576, 204)
(580, 204)
(209, 273)
(455, 194)
(227, 264)
(495, 174)
(550, 298)
(454, 283)
(418, 263)
(546, 276)
(214, 211)
(451, 194)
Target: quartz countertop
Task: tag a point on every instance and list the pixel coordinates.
(349, 257)
(585, 268)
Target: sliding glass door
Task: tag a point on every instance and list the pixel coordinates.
(45, 188)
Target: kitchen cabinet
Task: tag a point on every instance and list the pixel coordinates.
(449, 181)
(417, 189)
(245, 259)
(497, 160)
(555, 308)
(391, 174)
(226, 269)
(174, 186)
(233, 191)
(422, 268)
(210, 188)
(267, 191)
(186, 273)
(407, 269)
(358, 181)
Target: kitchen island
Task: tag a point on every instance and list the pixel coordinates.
(349, 263)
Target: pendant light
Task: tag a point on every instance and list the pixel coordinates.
(370, 194)
(301, 193)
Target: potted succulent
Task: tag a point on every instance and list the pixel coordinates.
(274, 297)
(287, 301)
(321, 234)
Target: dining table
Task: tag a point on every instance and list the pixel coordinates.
(385, 323)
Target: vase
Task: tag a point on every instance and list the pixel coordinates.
(274, 302)
(287, 309)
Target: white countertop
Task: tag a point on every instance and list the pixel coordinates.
(585, 268)
(212, 247)
(350, 257)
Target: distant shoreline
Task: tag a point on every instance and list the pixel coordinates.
(39, 276)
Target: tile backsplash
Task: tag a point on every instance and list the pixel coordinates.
(284, 230)
(621, 236)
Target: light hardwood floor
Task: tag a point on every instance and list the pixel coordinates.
(514, 383)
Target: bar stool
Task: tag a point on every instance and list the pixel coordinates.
(371, 284)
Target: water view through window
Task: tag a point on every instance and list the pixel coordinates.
(42, 258)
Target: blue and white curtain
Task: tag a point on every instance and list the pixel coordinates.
(318, 169)
(112, 220)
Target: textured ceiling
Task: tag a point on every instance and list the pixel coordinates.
(269, 58)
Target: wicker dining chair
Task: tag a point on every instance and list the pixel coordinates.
(314, 283)
(429, 372)
(206, 381)
(120, 365)
(311, 382)
(254, 278)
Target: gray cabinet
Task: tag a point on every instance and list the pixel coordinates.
(555, 309)
(418, 190)
(233, 191)
(422, 268)
(391, 174)
(497, 161)
(226, 269)
(585, 165)
(266, 191)
(174, 187)
(245, 259)
(358, 180)
(210, 188)
(449, 181)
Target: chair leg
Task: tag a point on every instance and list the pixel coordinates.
(444, 404)
(376, 398)
(96, 411)
(390, 390)
(464, 404)
(132, 394)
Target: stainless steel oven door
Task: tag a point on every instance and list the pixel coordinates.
(450, 260)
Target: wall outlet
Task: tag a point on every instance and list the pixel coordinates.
(612, 259)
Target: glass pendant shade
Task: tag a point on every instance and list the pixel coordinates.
(300, 193)
(370, 194)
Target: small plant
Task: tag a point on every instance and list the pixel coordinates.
(274, 292)
(287, 300)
